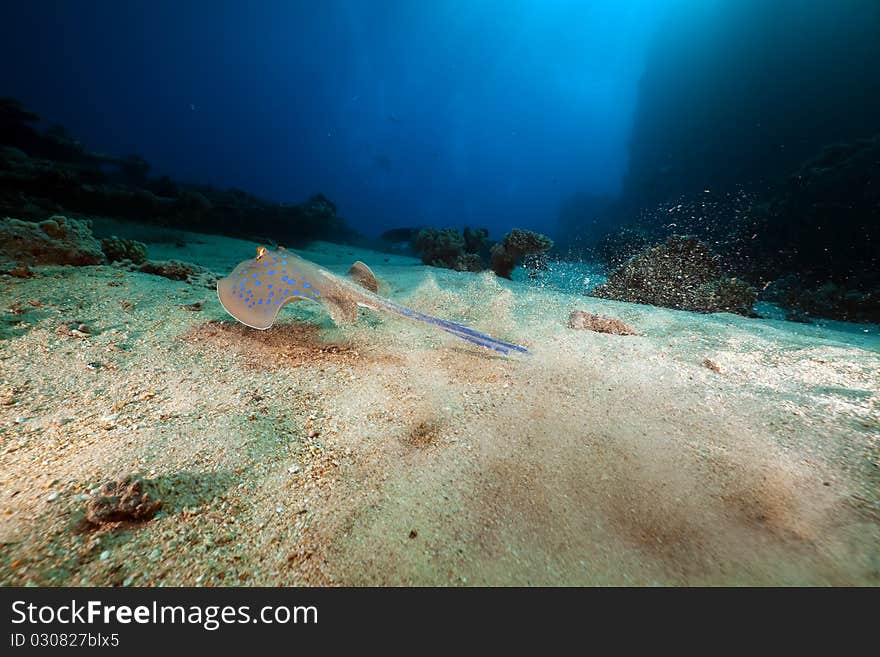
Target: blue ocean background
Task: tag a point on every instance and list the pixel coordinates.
(403, 113)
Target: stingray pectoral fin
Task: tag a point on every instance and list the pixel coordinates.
(364, 276)
(242, 307)
(342, 310)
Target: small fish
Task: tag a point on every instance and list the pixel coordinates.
(257, 289)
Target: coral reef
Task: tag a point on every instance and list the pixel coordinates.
(440, 247)
(515, 245)
(120, 249)
(447, 247)
(50, 173)
(476, 240)
(55, 241)
(469, 262)
(581, 319)
(682, 273)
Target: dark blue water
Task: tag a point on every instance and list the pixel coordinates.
(440, 113)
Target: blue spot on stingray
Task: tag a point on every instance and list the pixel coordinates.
(271, 272)
(284, 278)
(241, 296)
(315, 292)
(296, 292)
(260, 302)
(269, 286)
(256, 282)
(265, 264)
(271, 294)
(307, 285)
(255, 274)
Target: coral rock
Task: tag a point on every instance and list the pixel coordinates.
(55, 241)
(439, 247)
(125, 500)
(581, 319)
(683, 274)
(515, 245)
(173, 269)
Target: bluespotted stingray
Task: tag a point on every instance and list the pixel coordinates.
(259, 288)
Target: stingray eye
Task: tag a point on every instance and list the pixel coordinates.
(261, 251)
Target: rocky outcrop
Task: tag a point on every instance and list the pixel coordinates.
(55, 241)
(581, 319)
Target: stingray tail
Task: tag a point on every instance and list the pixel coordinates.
(458, 330)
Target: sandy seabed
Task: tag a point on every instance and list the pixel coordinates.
(389, 453)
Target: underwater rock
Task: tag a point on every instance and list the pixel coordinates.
(22, 271)
(125, 500)
(581, 319)
(173, 269)
(516, 244)
(682, 273)
(54, 241)
(120, 249)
